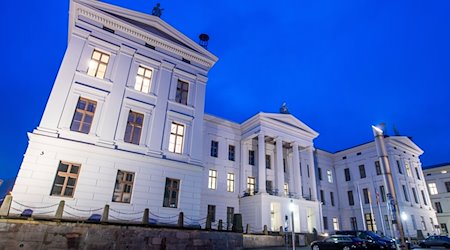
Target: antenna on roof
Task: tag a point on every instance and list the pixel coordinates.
(204, 38)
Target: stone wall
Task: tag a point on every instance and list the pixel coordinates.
(31, 234)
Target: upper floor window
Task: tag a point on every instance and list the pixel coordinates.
(330, 176)
(415, 195)
(182, 92)
(362, 171)
(417, 173)
(319, 173)
(231, 152)
(230, 182)
(322, 197)
(214, 148)
(97, 65)
(378, 167)
(143, 79)
(438, 206)
(212, 180)
(123, 187)
(286, 189)
(251, 157)
(347, 174)
(251, 185)
(382, 193)
(84, 114)
(65, 179)
(447, 186)
(351, 200)
(423, 197)
(366, 195)
(134, 127)
(405, 193)
(432, 188)
(176, 138)
(408, 170)
(268, 160)
(399, 167)
(332, 198)
(171, 192)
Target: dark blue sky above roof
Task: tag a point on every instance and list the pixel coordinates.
(340, 66)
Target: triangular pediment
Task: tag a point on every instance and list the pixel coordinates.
(405, 142)
(290, 120)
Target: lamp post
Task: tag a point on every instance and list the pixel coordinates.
(405, 218)
(292, 207)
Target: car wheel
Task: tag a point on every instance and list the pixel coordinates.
(446, 245)
(346, 248)
(315, 247)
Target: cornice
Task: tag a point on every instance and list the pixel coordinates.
(135, 32)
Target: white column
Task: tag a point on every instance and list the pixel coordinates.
(312, 170)
(279, 166)
(261, 164)
(296, 167)
(242, 176)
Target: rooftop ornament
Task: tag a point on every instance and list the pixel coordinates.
(284, 109)
(157, 11)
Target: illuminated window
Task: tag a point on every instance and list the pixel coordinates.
(370, 222)
(330, 176)
(84, 114)
(143, 79)
(97, 65)
(65, 179)
(432, 188)
(251, 185)
(230, 182)
(123, 187)
(286, 189)
(176, 138)
(408, 169)
(171, 193)
(335, 224)
(134, 128)
(212, 180)
(182, 92)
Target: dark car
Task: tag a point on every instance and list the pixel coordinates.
(337, 242)
(373, 240)
(435, 241)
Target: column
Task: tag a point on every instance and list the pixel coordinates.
(242, 176)
(279, 166)
(312, 170)
(261, 164)
(296, 168)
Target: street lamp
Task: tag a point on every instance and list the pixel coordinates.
(405, 218)
(292, 207)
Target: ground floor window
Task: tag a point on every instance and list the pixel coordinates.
(123, 187)
(171, 193)
(65, 179)
(354, 223)
(370, 223)
(212, 212)
(230, 214)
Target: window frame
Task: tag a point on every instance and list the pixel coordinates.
(231, 152)
(212, 179)
(133, 136)
(214, 152)
(362, 171)
(99, 62)
(169, 189)
(126, 183)
(66, 175)
(84, 113)
(182, 92)
(175, 136)
(251, 182)
(230, 182)
(143, 78)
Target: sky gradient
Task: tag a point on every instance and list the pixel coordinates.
(340, 66)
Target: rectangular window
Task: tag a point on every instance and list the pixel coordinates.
(286, 189)
(335, 224)
(251, 157)
(405, 193)
(438, 207)
(370, 222)
(230, 182)
(322, 197)
(307, 170)
(325, 223)
(382, 193)
(422, 221)
(268, 160)
(212, 212)
(97, 64)
(231, 152)
(432, 188)
(214, 148)
(444, 228)
(387, 223)
(347, 174)
(212, 179)
(182, 92)
(230, 214)
(413, 220)
(319, 173)
(269, 187)
(408, 170)
(143, 79)
(134, 128)
(399, 167)
(378, 167)
(171, 193)
(84, 114)
(423, 197)
(415, 195)
(447, 186)
(65, 179)
(362, 171)
(284, 165)
(176, 138)
(366, 195)
(418, 174)
(123, 187)
(251, 185)
(330, 176)
(332, 198)
(351, 201)
(353, 223)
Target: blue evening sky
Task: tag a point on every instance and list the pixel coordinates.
(340, 66)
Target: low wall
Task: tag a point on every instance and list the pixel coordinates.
(259, 241)
(31, 234)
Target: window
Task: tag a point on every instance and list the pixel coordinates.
(423, 197)
(269, 187)
(214, 148)
(182, 92)
(171, 193)
(362, 171)
(65, 179)
(366, 195)
(286, 189)
(370, 222)
(143, 79)
(405, 193)
(399, 167)
(413, 220)
(378, 167)
(251, 157)
(322, 197)
(335, 224)
(351, 201)
(330, 176)
(354, 223)
(123, 187)
(268, 160)
(84, 114)
(418, 175)
(387, 222)
(212, 212)
(444, 228)
(134, 128)
(231, 152)
(230, 182)
(347, 174)
(332, 198)
(438, 207)
(307, 169)
(319, 173)
(447, 186)
(422, 221)
(408, 170)
(176, 138)
(230, 214)
(212, 179)
(415, 195)
(251, 185)
(382, 193)
(325, 223)
(432, 188)
(284, 165)
(97, 65)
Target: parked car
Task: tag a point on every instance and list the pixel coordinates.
(373, 240)
(435, 241)
(338, 242)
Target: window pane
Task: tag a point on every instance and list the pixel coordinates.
(96, 55)
(74, 169)
(141, 71)
(63, 167)
(105, 58)
(71, 182)
(56, 190)
(148, 73)
(68, 191)
(59, 180)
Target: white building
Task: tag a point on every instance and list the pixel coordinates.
(438, 181)
(125, 126)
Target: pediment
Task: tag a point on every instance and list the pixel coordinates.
(291, 121)
(405, 142)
